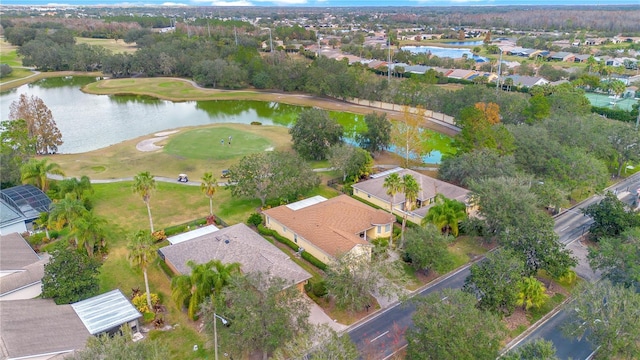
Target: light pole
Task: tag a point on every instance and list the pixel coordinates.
(270, 39)
(215, 332)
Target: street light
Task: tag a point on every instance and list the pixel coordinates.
(270, 38)
(215, 331)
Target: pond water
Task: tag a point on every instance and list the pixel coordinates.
(441, 52)
(90, 122)
(466, 43)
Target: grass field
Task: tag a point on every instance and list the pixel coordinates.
(186, 155)
(115, 46)
(216, 143)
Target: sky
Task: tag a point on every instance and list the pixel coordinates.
(320, 3)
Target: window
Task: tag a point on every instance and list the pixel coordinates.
(268, 218)
(295, 237)
(387, 228)
(284, 229)
(369, 196)
(379, 229)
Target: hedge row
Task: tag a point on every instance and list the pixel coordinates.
(616, 114)
(305, 255)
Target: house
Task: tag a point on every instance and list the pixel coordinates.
(19, 206)
(460, 74)
(21, 269)
(562, 56)
(328, 228)
(40, 329)
(527, 81)
(582, 58)
(234, 244)
(373, 191)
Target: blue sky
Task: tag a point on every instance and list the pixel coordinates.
(322, 3)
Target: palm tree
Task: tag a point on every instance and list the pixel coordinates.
(393, 185)
(42, 222)
(35, 172)
(141, 254)
(446, 214)
(205, 280)
(91, 230)
(208, 187)
(144, 184)
(66, 212)
(591, 62)
(410, 188)
(532, 293)
(74, 186)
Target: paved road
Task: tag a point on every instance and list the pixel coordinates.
(382, 335)
(570, 226)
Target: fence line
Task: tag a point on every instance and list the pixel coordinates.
(395, 107)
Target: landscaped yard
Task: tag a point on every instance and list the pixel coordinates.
(115, 46)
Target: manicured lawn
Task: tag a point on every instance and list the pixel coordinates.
(115, 46)
(466, 249)
(213, 143)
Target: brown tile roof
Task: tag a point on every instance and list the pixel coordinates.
(237, 243)
(428, 188)
(15, 252)
(333, 225)
(39, 326)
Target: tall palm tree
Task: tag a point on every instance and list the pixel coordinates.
(205, 279)
(591, 62)
(208, 187)
(144, 184)
(74, 186)
(141, 254)
(91, 230)
(410, 188)
(35, 172)
(532, 293)
(66, 212)
(446, 214)
(393, 185)
(42, 222)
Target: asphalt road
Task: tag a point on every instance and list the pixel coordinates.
(382, 335)
(570, 226)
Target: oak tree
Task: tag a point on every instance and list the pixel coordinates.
(40, 123)
(70, 276)
(314, 133)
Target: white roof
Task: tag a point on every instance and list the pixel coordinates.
(192, 234)
(306, 202)
(105, 312)
(385, 173)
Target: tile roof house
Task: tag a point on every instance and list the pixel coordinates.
(328, 228)
(234, 244)
(562, 56)
(373, 191)
(21, 269)
(460, 74)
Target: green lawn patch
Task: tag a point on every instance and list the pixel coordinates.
(213, 144)
(465, 249)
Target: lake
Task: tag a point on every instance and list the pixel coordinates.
(442, 52)
(90, 122)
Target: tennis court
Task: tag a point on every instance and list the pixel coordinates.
(602, 100)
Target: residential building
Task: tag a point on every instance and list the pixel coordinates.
(373, 191)
(21, 269)
(20, 206)
(526, 81)
(234, 244)
(329, 228)
(562, 56)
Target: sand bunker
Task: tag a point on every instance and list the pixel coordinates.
(149, 144)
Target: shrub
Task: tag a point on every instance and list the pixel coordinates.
(140, 302)
(314, 261)
(319, 288)
(256, 123)
(255, 219)
(159, 235)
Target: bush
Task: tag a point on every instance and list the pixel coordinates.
(615, 114)
(314, 261)
(319, 289)
(256, 123)
(255, 219)
(140, 302)
(159, 235)
(5, 70)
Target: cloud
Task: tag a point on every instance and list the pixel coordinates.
(173, 4)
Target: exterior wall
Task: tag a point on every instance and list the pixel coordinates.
(30, 292)
(302, 242)
(385, 206)
(374, 234)
(361, 250)
(18, 227)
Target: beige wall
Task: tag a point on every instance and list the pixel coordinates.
(385, 206)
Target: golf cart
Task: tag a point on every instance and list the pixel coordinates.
(225, 173)
(183, 178)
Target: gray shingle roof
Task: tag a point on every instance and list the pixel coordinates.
(237, 243)
(15, 253)
(39, 326)
(30, 274)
